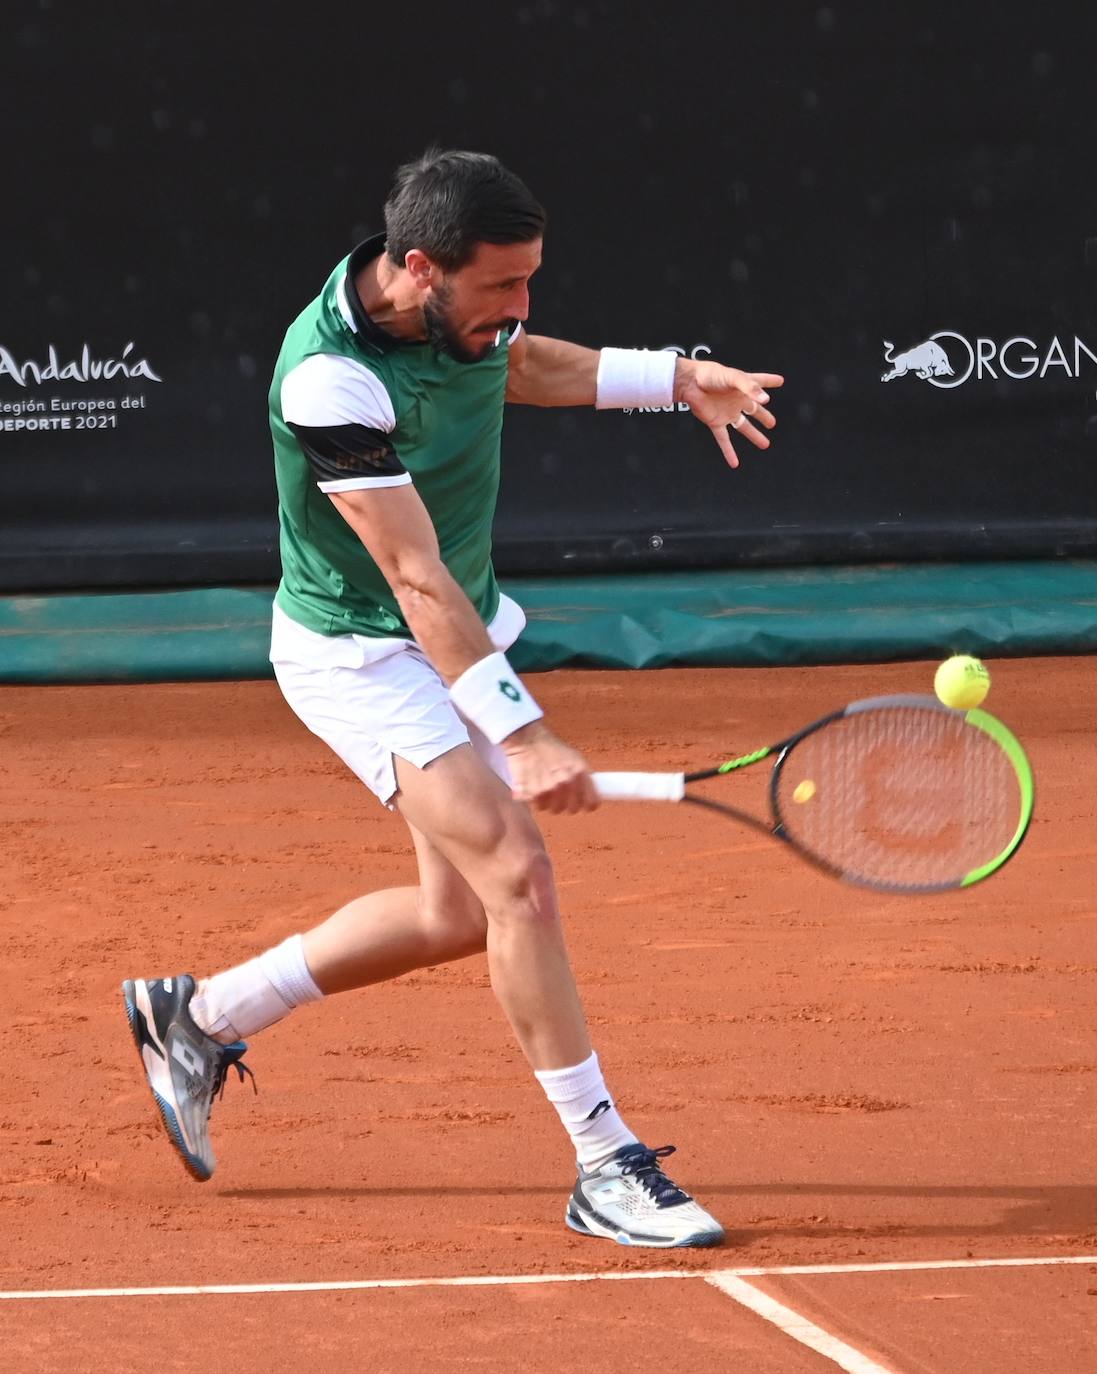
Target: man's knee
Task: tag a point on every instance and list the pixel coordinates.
(522, 885)
(454, 920)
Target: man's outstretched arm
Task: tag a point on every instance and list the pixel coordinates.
(553, 372)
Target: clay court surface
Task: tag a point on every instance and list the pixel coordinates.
(852, 1080)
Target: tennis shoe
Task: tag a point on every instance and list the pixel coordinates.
(185, 1067)
(630, 1200)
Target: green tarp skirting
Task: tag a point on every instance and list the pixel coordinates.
(752, 617)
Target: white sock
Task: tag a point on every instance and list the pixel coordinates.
(252, 996)
(583, 1103)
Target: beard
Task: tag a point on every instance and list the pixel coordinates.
(444, 336)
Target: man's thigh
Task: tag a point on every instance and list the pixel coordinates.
(469, 815)
(444, 893)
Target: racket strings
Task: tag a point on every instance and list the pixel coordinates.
(907, 797)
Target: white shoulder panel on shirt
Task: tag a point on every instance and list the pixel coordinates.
(328, 389)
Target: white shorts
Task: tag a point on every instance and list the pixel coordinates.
(372, 700)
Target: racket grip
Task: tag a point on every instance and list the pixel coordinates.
(640, 786)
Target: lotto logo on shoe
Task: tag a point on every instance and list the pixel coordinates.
(188, 1056)
(611, 1190)
(509, 690)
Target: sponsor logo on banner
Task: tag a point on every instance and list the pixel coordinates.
(697, 351)
(36, 408)
(948, 359)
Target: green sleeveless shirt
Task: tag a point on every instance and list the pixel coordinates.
(425, 417)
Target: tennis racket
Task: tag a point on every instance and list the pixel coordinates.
(897, 793)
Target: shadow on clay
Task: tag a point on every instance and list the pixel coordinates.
(798, 1209)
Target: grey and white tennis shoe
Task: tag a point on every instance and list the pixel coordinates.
(630, 1200)
(186, 1069)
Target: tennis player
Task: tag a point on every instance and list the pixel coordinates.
(389, 642)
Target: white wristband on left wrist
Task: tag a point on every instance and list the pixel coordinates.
(632, 377)
(492, 696)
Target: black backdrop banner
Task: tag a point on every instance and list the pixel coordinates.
(895, 208)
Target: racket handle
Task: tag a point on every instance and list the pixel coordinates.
(640, 786)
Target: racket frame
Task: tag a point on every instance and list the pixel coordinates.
(779, 753)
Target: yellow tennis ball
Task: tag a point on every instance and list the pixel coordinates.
(961, 682)
(803, 791)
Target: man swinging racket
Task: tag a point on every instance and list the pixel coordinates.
(389, 642)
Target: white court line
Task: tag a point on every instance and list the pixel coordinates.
(504, 1280)
(788, 1320)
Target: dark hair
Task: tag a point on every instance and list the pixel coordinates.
(446, 202)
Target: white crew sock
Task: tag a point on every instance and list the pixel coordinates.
(252, 996)
(583, 1103)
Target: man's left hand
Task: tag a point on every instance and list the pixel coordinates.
(723, 397)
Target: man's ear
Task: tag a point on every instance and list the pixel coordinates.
(420, 268)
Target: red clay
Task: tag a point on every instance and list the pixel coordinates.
(1004, 1321)
(848, 1076)
(608, 1328)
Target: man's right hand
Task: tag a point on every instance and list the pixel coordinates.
(547, 773)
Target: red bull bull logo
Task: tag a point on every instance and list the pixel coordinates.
(948, 359)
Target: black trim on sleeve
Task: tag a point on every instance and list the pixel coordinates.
(338, 452)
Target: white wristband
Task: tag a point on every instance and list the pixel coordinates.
(491, 695)
(629, 377)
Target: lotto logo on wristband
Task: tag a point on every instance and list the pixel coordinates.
(476, 695)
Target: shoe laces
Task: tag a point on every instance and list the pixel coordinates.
(233, 1059)
(643, 1165)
